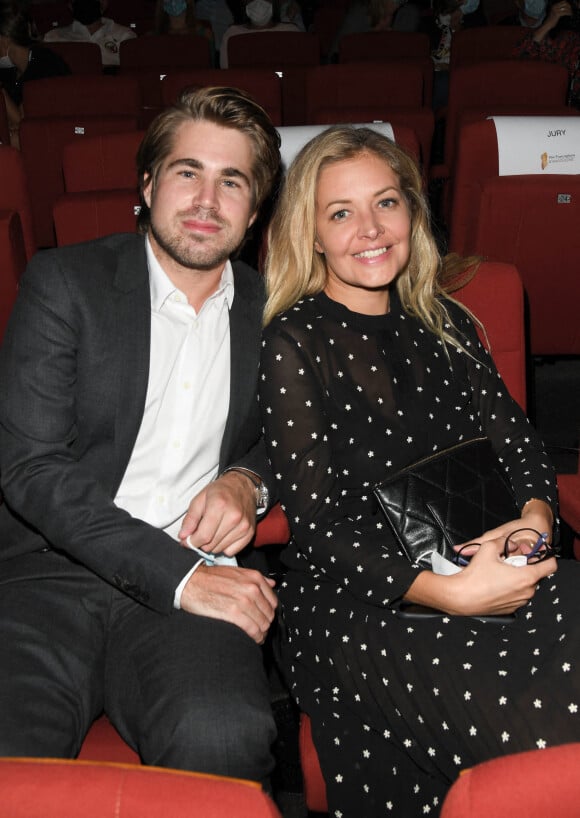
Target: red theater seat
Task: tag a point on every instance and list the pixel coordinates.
(50, 788)
(536, 784)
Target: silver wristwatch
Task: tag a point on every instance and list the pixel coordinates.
(262, 493)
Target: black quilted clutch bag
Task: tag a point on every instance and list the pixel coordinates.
(445, 499)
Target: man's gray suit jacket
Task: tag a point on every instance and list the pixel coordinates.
(73, 371)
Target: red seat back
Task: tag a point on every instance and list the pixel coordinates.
(532, 222)
(481, 43)
(495, 296)
(14, 193)
(4, 127)
(383, 45)
(163, 51)
(13, 263)
(54, 788)
(81, 58)
(42, 141)
(81, 95)
(326, 22)
(91, 215)
(273, 49)
(501, 86)
(535, 784)
(476, 161)
(103, 162)
(356, 86)
(261, 83)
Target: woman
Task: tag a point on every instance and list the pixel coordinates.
(22, 60)
(178, 17)
(557, 40)
(261, 15)
(366, 368)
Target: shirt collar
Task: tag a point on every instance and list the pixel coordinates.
(162, 287)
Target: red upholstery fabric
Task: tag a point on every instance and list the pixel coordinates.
(478, 44)
(82, 95)
(378, 45)
(4, 127)
(274, 49)
(536, 784)
(477, 161)
(103, 743)
(14, 194)
(495, 296)
(81, 58)
(261, 83)
(384, 46)
(516, 215)
(326, 23)
(42, 141)
(314, 784)
(93, 214)
(356, 85)
(68, 789)
(273, 529)
(13, 258)
(103, 162)
(163, 51)
(499, 86)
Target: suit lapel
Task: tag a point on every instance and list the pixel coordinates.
(245, 333)
(131, 337)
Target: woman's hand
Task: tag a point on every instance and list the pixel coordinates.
(556, 12)
(486, 586)
(489, 586)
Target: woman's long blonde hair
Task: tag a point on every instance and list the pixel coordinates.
(295, 270)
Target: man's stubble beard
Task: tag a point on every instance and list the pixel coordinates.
(195, 255)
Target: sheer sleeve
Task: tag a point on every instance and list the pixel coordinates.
(514, 439)
(335, 523)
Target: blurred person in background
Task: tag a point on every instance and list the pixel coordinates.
(90, 26)
(557, 40)
(22, 60)
(260, 16)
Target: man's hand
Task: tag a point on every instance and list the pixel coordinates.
(238, 595)
(221, 519)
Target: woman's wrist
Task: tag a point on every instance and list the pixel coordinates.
(538, 512)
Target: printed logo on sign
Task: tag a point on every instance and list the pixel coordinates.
(564, 198)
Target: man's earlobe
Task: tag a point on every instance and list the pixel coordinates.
(147, 188)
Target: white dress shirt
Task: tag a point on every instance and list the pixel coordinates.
(176, 453)
(108, 37)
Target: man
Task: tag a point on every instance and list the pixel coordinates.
(130, 434)
(89, 26)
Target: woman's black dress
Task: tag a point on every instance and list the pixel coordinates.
(400, 706)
